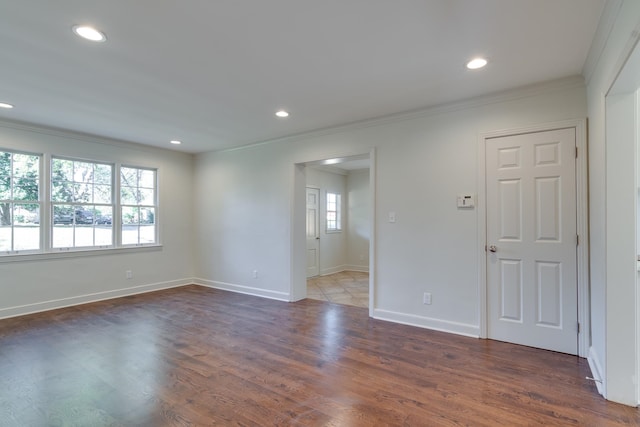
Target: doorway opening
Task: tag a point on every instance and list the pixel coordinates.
(333, 229)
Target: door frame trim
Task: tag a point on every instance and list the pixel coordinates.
(298, 281)
(582, 223)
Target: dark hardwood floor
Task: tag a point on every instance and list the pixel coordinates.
(196, 356)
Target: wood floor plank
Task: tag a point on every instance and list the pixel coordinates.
(194, 356)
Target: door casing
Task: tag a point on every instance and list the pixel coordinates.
(298, 281)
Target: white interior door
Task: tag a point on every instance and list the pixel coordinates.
(313, 232)
(531, 240)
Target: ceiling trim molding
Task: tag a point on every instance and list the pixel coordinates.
(82, 137)
(494, 98)
(497, 97)
(610, 13)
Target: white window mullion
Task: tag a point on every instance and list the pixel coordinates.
(46, 214)
(117, 206)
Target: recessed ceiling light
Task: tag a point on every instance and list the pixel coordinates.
(175, 142)
(282, 114)
(89, 33)
(5, 105)
(476, 63)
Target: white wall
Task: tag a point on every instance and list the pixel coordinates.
(422, 162)
(242, 214)
(43, 282)
(612, 318)
(333, 245)
(358, 220)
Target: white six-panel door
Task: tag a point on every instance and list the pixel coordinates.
(313, 232)
(531, 240)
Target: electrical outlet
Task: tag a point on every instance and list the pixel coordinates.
(426, 298)
(128, 274)
(255, 274)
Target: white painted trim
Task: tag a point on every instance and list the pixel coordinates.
(610, 83)
(333, 270)
(77, 253)
(582, 224)
(636, 174)
(241, 289)
(596, 371)
(625, 54)
(536, 89)
(345, 267)
(481, 240)
(84, 137)
(610, 12)
(297, 234)
(373, 259)
(582, 251)
(428, 323)
(298, 277)
(89, 298)
(359, 268)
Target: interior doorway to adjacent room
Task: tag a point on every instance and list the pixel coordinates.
(338, 223)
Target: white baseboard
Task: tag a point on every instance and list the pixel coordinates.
(88, 298)
(344, 267)
(428, 323)
(332, 270)
(241, 289)
(361, 268)
(596, 371)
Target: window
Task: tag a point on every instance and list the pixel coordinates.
(81, 204)
(333, 212)
(19, 202)
(138, 205)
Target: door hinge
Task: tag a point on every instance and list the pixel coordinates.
(578, 327)
(577, 240)
(576, 152)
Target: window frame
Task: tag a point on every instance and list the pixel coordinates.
(337, 211)
(75, 205)
(154, 206)
(46, 212)
(39, 201)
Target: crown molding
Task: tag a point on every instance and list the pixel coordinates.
(493, 98)
(83, 137)
(610, 12)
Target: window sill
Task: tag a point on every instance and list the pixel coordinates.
(333, 231)
(76, 253)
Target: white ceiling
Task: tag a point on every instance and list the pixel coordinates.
(213, 73)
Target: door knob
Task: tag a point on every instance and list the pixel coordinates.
(493, 248)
